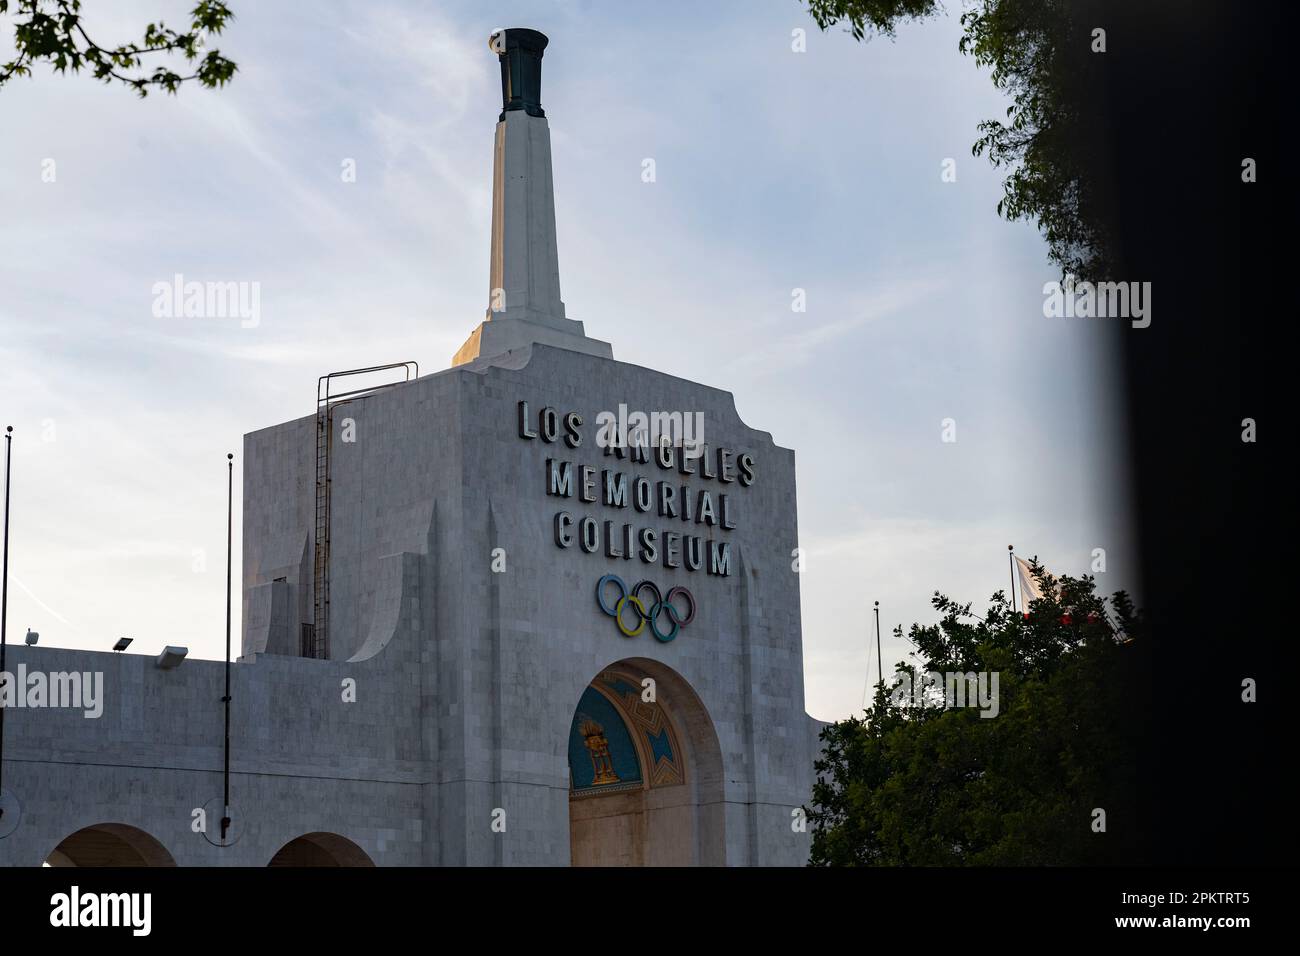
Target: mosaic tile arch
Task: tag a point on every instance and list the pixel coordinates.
(619, 742)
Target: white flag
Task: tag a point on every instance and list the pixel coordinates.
(1029, 589)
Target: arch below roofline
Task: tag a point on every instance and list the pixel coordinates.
(109, 844)
(671, 825)
(320, 849)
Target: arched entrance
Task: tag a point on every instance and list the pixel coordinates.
(645, 772)
(321, 849)
(110, 844)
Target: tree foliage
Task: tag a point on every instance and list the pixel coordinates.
(52, 31)
(1041, 55)
(924, 785)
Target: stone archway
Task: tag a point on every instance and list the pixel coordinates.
(109, 844)
(645, 776)
(321, 849)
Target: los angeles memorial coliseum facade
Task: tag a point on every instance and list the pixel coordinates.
(476, 630)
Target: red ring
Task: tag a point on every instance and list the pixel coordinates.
(690, 598)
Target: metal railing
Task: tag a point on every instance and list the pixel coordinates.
(315, 643)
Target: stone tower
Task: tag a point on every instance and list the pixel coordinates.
(524, 304)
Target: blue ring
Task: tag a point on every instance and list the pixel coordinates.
(600, 593)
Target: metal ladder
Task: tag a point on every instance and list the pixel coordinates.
(317, 641)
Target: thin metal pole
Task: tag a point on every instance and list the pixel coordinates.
(1011, 559)
(4, 604)
(880, 660)
(230, 500)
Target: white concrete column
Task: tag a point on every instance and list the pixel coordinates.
(524, 304)
(525, 274)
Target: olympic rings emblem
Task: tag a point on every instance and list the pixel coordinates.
(632, 606)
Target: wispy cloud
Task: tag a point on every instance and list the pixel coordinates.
(797, 347)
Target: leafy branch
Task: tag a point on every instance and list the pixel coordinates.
(51, 31)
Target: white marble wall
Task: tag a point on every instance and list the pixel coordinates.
(466, 679)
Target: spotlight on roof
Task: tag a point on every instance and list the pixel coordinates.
(122, 643)
(172, 657)
(32, 637)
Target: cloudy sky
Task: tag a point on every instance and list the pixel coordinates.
(776, 170)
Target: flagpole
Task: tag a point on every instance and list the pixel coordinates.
(230, 498)
(4, 605)
(1011, 560)
(880, 661)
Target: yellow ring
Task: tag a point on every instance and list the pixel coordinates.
(618, 615)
